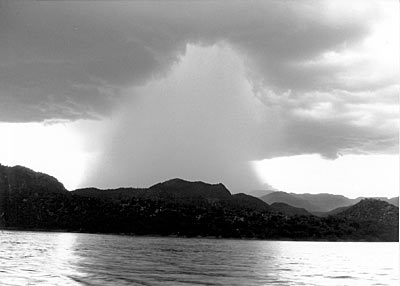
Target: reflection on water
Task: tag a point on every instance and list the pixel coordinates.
(37, 258)
(29, 258)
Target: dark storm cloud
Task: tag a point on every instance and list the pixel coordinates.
(317, 84)
(74, 59)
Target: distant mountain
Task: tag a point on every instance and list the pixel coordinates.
(31, 200)
(290, 199)
(332, 212)
(260, 193)
(318, 203)
(394, 201)
(326, 202)
(289, 210)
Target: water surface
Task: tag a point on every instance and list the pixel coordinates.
(41, 258)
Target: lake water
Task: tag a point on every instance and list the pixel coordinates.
(42, 258)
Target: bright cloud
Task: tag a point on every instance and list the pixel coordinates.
(351, 175)
(55, 149)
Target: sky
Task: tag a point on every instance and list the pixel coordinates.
(295, 96)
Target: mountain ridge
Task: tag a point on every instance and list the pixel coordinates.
(319, 203)
(30, 200)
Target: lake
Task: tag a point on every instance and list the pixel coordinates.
(45, 258)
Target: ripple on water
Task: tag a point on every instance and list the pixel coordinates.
(35, 258)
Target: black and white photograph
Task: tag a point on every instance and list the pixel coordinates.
(190, 142)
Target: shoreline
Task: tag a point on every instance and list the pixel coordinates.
(15, 229)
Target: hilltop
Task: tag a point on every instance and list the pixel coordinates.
(372, 209)
(17, 184)
(373, 216)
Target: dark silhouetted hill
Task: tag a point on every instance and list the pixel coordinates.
(30, 200)
(175, 190)
(181, 189)
(19, 179)
(114, 194)
(23, 192)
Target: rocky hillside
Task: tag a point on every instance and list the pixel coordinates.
(372, 209)
(373, 219)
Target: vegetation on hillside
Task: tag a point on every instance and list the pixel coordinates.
(31, 200)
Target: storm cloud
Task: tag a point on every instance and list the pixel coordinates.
(309, 77)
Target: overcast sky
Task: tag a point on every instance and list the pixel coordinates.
(298, 96)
